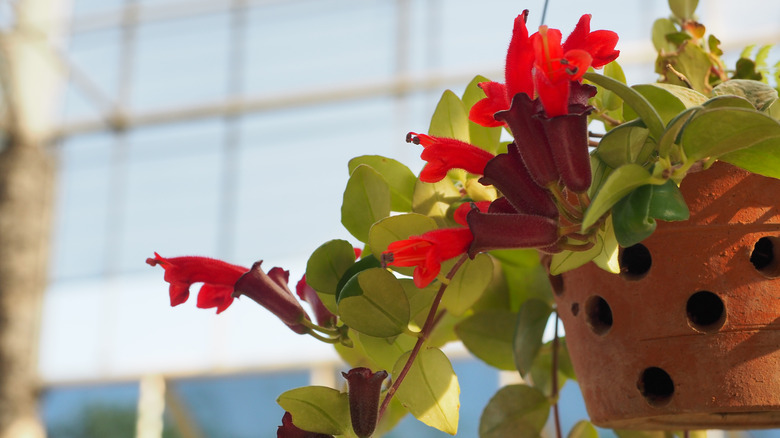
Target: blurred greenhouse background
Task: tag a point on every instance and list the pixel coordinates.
(223, 128)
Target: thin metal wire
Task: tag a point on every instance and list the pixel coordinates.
(544, 12)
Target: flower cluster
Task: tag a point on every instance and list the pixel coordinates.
(545, 106)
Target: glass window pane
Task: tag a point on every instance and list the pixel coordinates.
(306, 44)
(90, 411)
(181, 61)
(242, 406)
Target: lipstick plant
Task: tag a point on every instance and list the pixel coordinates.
(516, 190)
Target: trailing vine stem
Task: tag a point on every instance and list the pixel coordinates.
(554, 380)
(430, 323)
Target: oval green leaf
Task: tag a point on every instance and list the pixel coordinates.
(434, 199)
(374, 303)
(719, 131)
(385, 352)
(361, 265)
(327, 264)
(488, 335)
(583, 429)
(430, 390)
(623, 144)
(399, 178)
(632, 98)
(366, 200)
(450, 118)
(618, 184)
(468, 284)
(514, 411)
(531, 322)
(318, 409)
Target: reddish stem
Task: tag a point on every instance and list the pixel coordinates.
(554, 379)
(430, 323)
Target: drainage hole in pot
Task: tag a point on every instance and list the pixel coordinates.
(706, 311)
(575, 308)
(656, 386)
(764, 256)
(598, 315)
(635, 261)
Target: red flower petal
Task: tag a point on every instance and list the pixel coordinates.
(445, 154)
(482, 112)
(519, 61)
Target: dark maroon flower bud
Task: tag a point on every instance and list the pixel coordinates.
(271, 291)
(364, 389)
(530, 138)
(568, 139)
(321, 313)
(501, 205)
(505, 231)
(579, 94)
(509, 175)
(289, 430)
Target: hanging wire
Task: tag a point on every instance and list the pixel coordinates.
(544, 12)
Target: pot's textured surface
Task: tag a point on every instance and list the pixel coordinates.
(688, 336)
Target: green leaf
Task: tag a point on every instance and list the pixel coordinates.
(599, 170)
(488, 335)
(514, 411)
(567, 260)
(632, 98)
(718, 131)
(624, 144)
(366, 200)
(667, 203)
(634, 216)
(468, 284)
(757, 93)
(399, 178)
(433, 200)
(661, 28)
(611, 101)
(361, 265)
(318, 409)
(531, 322)
(673, 129)
(728, 101)
(631, 217)
(670, 100)
(618, 184)
(327, 265)
(762, 158)
(386, 351)
(683, 9)
(450, 118)
(541, 371)
(693, 62)
(395, 228)
(420, 300)
(525, 276)
(374, 303)
(713, 43)
(583, 429)
(607, 259)
(482, 136)
(430, 390)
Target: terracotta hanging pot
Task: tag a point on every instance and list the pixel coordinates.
(688, 336)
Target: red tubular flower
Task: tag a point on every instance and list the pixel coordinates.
(289, 430)
(321, 313)
(427, 251)
(517, 73)
(530, 139)
(271, 291)
(445, 154)
(599, 43)
(460, 213)
(505, 231)
(555, 69)
(509, 175)
(365, 387)
(217, 277)
(568, 139)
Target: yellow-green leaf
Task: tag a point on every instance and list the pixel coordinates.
(430, 390)
(318, 409)
(488, 334)
(468, 284)
(515, 411)
(374, 303)
(366, 200)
